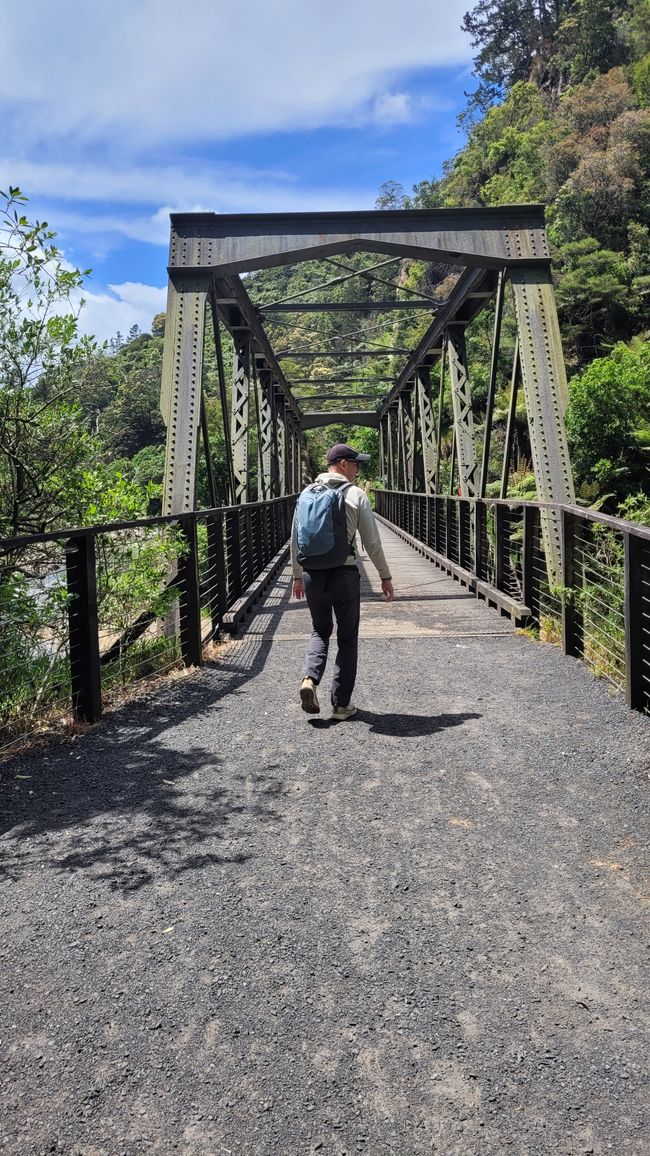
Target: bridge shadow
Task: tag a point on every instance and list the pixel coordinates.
(400, 725)
(65, 805)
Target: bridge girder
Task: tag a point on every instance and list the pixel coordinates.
(241, 242)
(368, 418)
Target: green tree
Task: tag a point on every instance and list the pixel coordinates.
(44, 445)
(511, 35)
(608, 420)
(592, 37)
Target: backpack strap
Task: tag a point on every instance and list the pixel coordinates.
(341, 490)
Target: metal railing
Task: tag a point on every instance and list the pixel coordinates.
(86, 613)
(598, 609)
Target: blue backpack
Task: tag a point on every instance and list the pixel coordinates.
(322, 527)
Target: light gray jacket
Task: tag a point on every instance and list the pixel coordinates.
(360, 519)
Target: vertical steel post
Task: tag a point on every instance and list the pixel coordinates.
(297, 454)
(83, 625)
(510, 427)
(189, 599)
(205, 437)
(571, 614)
(402, 466)
(275, 442)
(217, 560)
(464, 534)
(223, 396)
(280, 410)
(180, 401)
(427, 429)
(461, 395)
(234, 554)
(391, 448)
(258, 538)
(492, 385)
(499, 545)
(480, 528)
(441, 394)
(240, 414)
(288, 449)
(452, 463)
(266, 432)
(409, 419)
(450, 507)
(527, 568)
(634, 691)
(545, 389)
(257, 395)
(248, 551)
(382, 451)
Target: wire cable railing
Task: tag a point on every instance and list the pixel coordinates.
(598, 609)
(87, 613)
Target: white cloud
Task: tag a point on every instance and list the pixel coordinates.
(104, 314)
(97, 102)
(158, 71)
(393, 108)
(222, 187)
(215, 188)
(131, 183)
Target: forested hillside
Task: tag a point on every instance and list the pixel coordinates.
(561, 115)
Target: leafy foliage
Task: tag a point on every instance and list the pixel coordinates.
(43, 445)
(608, 420)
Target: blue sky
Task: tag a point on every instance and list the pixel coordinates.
(115, 115)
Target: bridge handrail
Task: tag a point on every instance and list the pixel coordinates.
(622, 524)
(134, 524)
(598, 608)
(89, 610)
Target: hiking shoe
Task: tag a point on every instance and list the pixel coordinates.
(308, 696)
(340, 713)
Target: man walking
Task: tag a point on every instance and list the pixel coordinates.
(335, 589)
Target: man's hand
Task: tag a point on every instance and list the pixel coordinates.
(298, 588)
(387, 590)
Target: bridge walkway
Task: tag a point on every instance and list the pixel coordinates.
(229, 928)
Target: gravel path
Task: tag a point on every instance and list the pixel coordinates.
(228, 928)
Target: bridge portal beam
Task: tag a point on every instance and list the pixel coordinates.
(236, 243)
(349, 417)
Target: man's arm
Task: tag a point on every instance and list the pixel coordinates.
(298, 587)
(371, 542)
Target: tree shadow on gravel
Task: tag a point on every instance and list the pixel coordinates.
(135, 799)
(401, 725)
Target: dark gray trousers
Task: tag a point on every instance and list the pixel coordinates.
(334, 592)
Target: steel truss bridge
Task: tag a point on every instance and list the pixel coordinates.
(415, 930)
(576, 575)
(490, 250)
